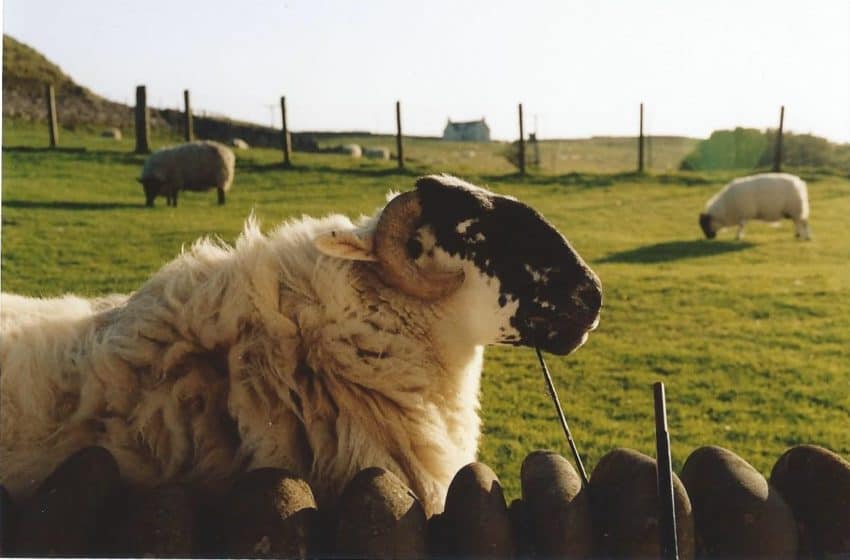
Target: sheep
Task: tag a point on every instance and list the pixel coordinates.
(352, 150)
(766, 196)
(111, 133)
(193, 166)
(324, 347)
(239, 144)
(376, 153)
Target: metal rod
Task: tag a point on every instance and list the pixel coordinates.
(667, 504)
(561, 416)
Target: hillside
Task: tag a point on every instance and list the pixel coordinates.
(25, 73)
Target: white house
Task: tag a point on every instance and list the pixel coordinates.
(476, 131)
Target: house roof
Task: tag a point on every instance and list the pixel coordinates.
(466, 123)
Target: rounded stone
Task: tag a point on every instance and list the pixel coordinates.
(625, 507)
(737, 512)
(557, 506)
(815, 483)
(477, 515)
(380, 517)
(269, 513)
(66, 511)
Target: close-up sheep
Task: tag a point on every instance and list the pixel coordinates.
(376, 327)
(323, 347)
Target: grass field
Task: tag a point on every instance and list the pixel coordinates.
(751, 338)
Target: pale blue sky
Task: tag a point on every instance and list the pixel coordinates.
(581, 68)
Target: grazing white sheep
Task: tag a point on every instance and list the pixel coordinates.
(376, 153)
(352, 150)
(193, 166)
(112, 133)
(767, 196)
(324, 347)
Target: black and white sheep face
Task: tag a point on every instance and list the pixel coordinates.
(546, 293)
(522, 283)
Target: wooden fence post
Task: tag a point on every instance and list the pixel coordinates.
(187, 117)
(286, 140)
(398, 142)
(640, 142)
(52, 121)
(521, 144)
(142, 121)
(777, 156)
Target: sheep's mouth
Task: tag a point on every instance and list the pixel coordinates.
(561, 337)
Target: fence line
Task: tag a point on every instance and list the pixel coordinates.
(142, 130)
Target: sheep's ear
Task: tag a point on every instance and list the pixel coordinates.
(346, 245)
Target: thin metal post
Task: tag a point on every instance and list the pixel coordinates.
(666, 500)
(521, 144)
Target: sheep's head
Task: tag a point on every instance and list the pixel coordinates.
(706, 225)
(152, 185)
(448, 240)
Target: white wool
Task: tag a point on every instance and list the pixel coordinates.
(768, 196)
(230, 358)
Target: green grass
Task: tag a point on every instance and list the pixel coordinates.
(752, 338)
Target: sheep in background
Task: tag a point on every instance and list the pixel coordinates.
(324, 348)
(376, 153)
(194, 166)
(351, 150)
(112, 133)
(768, 196)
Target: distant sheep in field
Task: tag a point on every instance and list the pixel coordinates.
(352, 150)
(239, 144)
(194, 166)
(112, 133)
(324, 347)
(769, 197)
(376, 153)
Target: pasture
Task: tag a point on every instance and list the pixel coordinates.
(751, 338)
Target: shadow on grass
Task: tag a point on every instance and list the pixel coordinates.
(675, 250)
(67, 205)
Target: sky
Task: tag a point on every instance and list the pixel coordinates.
(580, 68)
